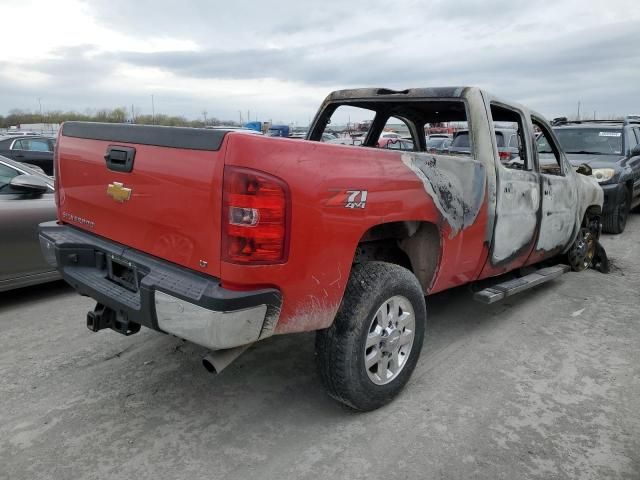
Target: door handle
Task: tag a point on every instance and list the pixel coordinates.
(120, 159)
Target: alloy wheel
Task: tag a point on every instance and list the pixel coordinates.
(583, 250)
(389, 340)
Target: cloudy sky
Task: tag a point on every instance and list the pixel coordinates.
(279, 59)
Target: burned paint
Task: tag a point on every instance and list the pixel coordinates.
(558, 216)
(456, 185)
(516, 213)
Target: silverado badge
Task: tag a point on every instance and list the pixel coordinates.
(118, 192)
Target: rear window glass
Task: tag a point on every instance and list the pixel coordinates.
(595, 141)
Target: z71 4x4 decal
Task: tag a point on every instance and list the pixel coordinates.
(348, 199)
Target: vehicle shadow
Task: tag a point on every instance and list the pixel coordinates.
(42, 292)
(277, 375)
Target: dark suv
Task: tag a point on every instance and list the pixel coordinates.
(612, 150)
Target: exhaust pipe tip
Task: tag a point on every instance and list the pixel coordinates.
(206, 363)
(218, 360)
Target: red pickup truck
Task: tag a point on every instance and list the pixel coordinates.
(225, 239)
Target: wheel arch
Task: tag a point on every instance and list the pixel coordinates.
(590, 212)
(629, 185)
(415, 245)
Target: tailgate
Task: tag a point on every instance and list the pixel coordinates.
(155, 189)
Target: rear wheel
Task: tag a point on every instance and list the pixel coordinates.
(616, 221)
(367, 356)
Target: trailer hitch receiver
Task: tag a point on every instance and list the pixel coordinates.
(103, 317)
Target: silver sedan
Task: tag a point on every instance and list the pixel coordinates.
(26, 200)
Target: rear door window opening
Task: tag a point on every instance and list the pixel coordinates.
(511, 143)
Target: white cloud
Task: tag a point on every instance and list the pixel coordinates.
(280, 59)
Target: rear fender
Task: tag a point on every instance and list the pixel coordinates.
(338, 194)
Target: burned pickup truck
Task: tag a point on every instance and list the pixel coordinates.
(225, 239)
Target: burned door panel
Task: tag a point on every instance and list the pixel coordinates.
(558, 213)
(516, 215)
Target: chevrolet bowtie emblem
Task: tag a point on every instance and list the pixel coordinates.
(119, 192)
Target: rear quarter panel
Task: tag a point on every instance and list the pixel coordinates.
(324, 236)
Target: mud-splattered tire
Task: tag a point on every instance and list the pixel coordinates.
(616, 221)
(383, 306)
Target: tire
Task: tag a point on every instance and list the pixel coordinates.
(342, 349)
(616, 221)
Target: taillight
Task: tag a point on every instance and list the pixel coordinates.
(504, 155)
(255, 217)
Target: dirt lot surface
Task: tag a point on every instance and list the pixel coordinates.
(544, 385)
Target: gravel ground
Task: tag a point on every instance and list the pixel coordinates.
(544, 385)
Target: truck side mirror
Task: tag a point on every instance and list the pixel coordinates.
(635, 151)
(584, 169)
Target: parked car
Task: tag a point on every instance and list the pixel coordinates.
(234, 129)
(612, 150)
(26, 199)
(507, 140)
(31, 149)
(250, 236)
(438, 144)
(328, 137)
(18, 133)
(357, 141)
(278, 131)
(385, 135)
(396, 144)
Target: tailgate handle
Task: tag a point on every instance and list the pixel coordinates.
(120, 159)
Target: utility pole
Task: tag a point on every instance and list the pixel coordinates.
(204, 114)
(578, 110)
(40, 103)
(248, 115)
(153, 111)
(240, 113)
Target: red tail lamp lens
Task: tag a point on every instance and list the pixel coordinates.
(255, 217)
(505, 155)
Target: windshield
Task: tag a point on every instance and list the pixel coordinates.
(595, 141)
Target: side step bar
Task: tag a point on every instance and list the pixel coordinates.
(503, 290)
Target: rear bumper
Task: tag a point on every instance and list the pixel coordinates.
(166, 297)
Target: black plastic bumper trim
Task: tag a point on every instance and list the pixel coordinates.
(81, 260)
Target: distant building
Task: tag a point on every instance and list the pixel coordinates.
(40, 128)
